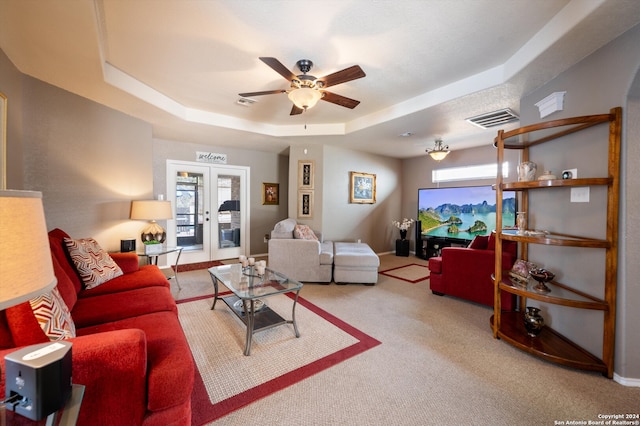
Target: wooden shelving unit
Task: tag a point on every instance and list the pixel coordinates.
(509, 326)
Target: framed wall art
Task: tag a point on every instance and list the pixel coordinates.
(306, 170)
(270, 194)
(362, 188)
(305, 204)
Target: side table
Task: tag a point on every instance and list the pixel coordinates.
(152, 259)
(402, 248)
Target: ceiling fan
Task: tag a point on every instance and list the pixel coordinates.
(306, 90)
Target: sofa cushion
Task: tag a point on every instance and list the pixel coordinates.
(326, 253)
(53, 316)
(94, 265)
(125, 304)
(24, 327)
(59, 250)
(435, 265)
(491, 243)
(303, 232)
(168, 356)
(40, 320)
(283, 229)
(65, 285)
(146, 276)
(480, 242)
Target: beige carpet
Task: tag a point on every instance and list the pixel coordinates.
(412, 273)
(438, 364)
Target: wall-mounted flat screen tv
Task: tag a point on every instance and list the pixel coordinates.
(463, 212)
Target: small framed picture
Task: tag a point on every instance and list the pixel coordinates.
(305, 204)
(270, 194)
(363, 188)
(305, 174)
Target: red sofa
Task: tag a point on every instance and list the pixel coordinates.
(129, 352)
(465, 272)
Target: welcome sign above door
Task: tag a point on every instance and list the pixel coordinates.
(211, 157)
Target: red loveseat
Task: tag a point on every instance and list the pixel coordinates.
(129, 352)
(465, 272)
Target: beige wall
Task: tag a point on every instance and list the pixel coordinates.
(601, 81)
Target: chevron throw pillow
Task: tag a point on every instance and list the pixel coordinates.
(94, 265)
(53, 315)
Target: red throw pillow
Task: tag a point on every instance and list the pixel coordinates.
(480, 242)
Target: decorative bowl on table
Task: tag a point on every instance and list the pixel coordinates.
(542, 276)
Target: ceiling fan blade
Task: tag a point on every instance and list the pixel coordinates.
(295, 110)
(347, 74)
(339, 100)
(268, 92)
(277, 66)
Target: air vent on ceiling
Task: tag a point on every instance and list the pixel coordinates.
(495, 118)
(246, 101)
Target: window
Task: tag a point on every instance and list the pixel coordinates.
(480, 171)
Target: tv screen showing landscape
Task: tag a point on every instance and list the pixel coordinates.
(463, 212)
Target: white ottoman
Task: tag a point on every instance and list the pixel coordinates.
(355, 263)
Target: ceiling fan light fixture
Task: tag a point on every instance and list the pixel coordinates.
(305, 97)
(439, 151)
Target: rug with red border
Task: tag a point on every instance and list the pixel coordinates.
(412, 273)
(216, 338)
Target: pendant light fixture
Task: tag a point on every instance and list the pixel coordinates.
(439, 151)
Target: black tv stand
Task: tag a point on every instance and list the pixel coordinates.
(432, 246)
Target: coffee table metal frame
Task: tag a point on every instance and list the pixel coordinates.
(152, 259)
(247, 286)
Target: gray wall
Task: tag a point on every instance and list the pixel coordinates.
(416, 173)
(265, 167)
(603, 80)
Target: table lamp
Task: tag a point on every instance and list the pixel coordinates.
(152, 210)
(39, 388)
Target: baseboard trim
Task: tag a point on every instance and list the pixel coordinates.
(625, 381)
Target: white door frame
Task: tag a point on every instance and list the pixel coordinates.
(211, 250)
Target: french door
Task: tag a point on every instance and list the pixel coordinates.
(211, 214)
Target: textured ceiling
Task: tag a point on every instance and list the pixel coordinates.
(429, 63)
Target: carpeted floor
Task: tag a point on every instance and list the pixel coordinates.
(437, 364)
(412, 273)
(227, 380)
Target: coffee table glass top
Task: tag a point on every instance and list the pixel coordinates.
(247, 284)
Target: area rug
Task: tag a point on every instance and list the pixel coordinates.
(198, 266)
(412, 273)
(226, 380)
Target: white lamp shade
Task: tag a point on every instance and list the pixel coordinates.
(151, 210)
(305, 97)
(26, 270)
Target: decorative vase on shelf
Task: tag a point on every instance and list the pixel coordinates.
(533, 321)
(527, 171)
(521, 222)
(403, 234)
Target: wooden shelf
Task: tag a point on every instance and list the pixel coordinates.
(549, 344)
(555, 239)
(560, 294)
(509, 326)
(554, 183)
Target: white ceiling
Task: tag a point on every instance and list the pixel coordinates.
(180, 64)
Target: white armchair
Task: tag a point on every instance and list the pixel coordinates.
(307, 260)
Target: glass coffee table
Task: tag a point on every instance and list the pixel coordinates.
(248, 290)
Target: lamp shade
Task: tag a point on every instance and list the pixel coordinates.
(26, 270)
(305, 97)
(151, 210)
